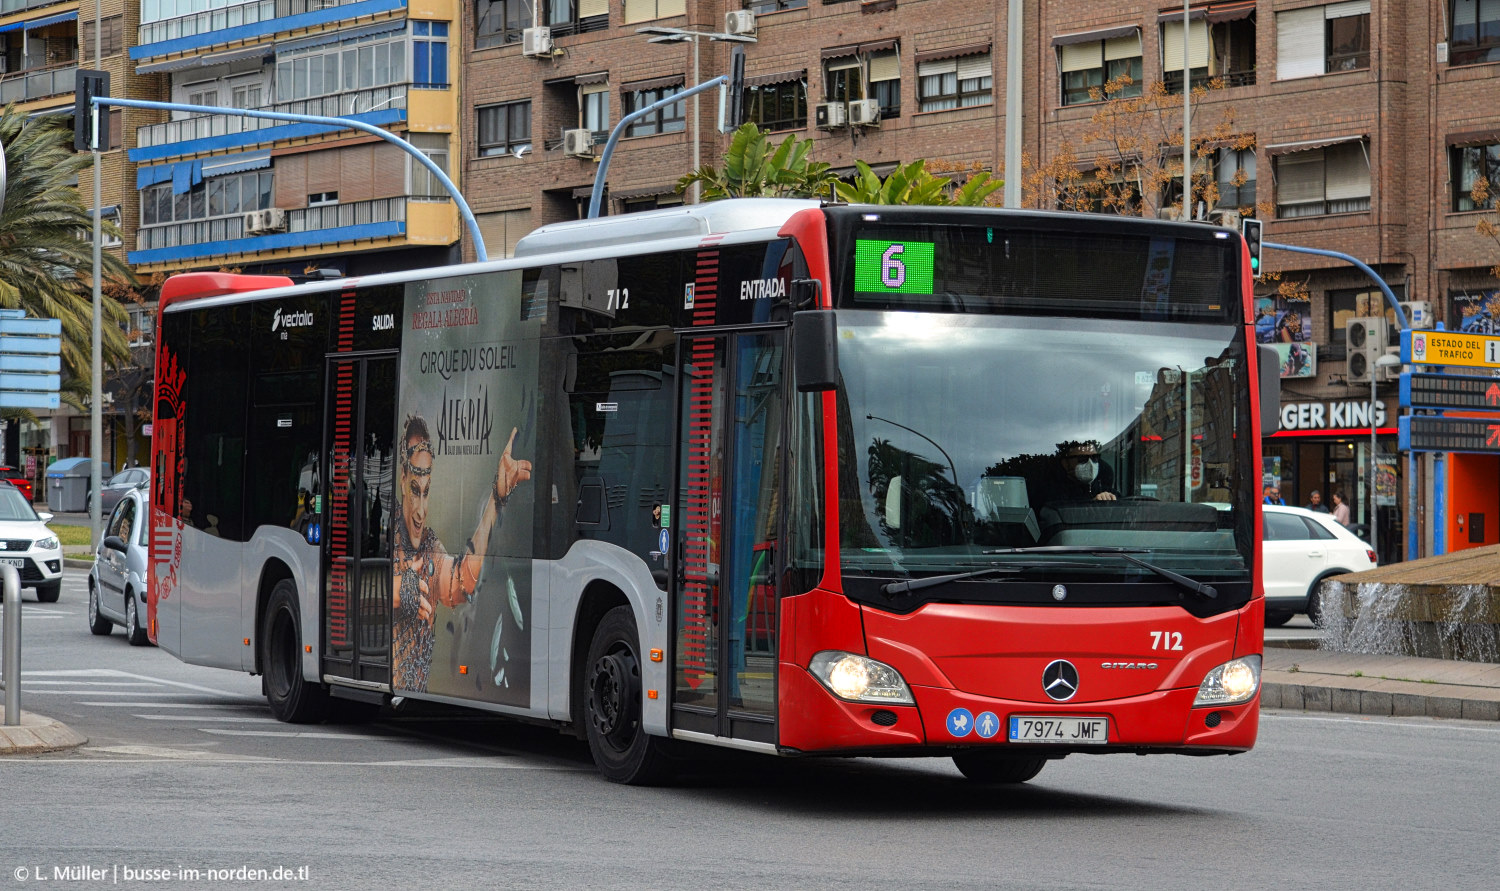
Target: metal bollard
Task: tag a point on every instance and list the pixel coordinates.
(10, 589)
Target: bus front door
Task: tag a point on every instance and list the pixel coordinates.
(360, 467)
(727, 519)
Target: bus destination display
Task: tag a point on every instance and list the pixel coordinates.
(893, 267)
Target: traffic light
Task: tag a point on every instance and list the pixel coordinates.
(1250, 230)
(87, 85)
(734, 100)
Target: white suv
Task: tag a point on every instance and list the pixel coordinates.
(1300, 549)
(27, 544)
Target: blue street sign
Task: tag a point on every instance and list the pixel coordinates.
(42, 382)
(31, 345)
(30, 363)
(30, 400)
(31, 326)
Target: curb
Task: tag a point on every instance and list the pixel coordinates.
(77, 563)
(1472, 704)
(37, 734)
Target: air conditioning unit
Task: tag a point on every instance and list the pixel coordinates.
(830, 115)
(739, 21)
(864, 113)
(578, 143)
(272, 219)
(1229, 219)
(1366, 339)
(536, 41)
(1418, 313)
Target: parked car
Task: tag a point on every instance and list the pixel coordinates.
(1300, 549)
(27, 544)
(117, 583)
(18, 478)
(119, 484)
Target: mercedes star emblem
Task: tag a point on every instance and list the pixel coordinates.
(1060, 680)
(1059, 592)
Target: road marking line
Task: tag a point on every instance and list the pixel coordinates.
(303, 734)
(227, 705)
(95, 691)
(103, 758)
(225, 719)
(34, 682)
(115, 673)
(1369, 722)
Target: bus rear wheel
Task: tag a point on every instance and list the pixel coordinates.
(622, 750)
(291, 697)
(988, 767)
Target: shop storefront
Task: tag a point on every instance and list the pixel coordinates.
(1325, 446)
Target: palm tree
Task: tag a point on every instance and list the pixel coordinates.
(913, 184)
(46, 258)
(754, 168)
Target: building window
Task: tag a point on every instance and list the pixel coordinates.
(501, 230)
(760, 7)
(575, 16)
(504, 129)
(141, 325)
(498, 22)
(1323, 39)
(246, 96)
(649, 202)
(954, 83)
(885, 82)
(1476, 31)
(116, 129)
(111, 41)
(322, 199)
(423, 183)
(670, 119)
(1344, 306)
(1221, 46)
(778, 106)
(218, 196)
(1236, 177)
(1474, 310)
(842, 80)
(646, 10)
(429, 54)
(1470, 164)
(1335, 179)
(593, 108)
(371, 61)
(1087, 66)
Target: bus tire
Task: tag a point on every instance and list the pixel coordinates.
(623, 751)
(988, 767)
(291, 697)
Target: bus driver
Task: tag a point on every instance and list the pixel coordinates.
(425, 571)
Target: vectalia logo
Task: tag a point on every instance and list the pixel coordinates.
(302, 319)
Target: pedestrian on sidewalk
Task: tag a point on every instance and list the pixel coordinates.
(1340, 509)
(1315, 502)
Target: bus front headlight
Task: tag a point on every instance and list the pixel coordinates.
(1233, 682)
(860, 678)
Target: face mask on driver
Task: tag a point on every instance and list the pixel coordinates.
(1087, 469)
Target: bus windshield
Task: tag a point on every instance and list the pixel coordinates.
(971, 441)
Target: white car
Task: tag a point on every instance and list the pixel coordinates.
(1300, 549)
(27, 544)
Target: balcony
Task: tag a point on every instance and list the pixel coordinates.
(9, 6)
(38, 83)
(249, 21)
(208, 126)
(226, 235)
(209, 21)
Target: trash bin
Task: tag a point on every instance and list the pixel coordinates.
(68, 482)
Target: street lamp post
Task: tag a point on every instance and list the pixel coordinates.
(1386, 361)
(678, 35)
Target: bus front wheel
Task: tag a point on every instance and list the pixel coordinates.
(291, 697)
(622, 750)
(987, 767)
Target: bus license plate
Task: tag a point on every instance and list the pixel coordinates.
(1068, 731)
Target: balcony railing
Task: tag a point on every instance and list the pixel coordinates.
(9, 6)
(1172, 80)
(309, 219)
(208, 125)
(232, 16)
(37, 84)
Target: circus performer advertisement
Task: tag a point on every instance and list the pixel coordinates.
(461, 564)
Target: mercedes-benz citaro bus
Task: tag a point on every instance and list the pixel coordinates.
(777, 475)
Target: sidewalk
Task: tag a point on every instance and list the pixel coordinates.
(37, 734)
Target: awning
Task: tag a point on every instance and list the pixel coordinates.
(1307, 145)
(182, 175)
(654, 83)
(328, 37)
(40, 23)
(598, 77)
(588, 191)
(223, 165)
(972, 49)
(1229, 11)
(205, 61)
(1475, 137)
(1092, 36)
(646, 192)
(855, 49)
(780, 77)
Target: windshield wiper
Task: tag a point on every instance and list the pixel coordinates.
(893, 588)
(1127, 554)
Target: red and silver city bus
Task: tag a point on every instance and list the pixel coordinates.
(776, 475)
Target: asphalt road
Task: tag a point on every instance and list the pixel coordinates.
(186, 770)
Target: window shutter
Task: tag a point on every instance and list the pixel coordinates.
(1171, 54)
(1082, 56)
(291, 180)
(389, 173)
(635, 11)
(940, 66)
(885, 66)
(1122, 47)
(586, 89)
(322, 172)
(1348, 172)
(355, 183)
(843, 63)
(1299, 43)
(502, 230)
(1339, 10)
(588, 8)
(1299, 177)
(971, 67)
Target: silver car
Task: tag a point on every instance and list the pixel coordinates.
(117, 583)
